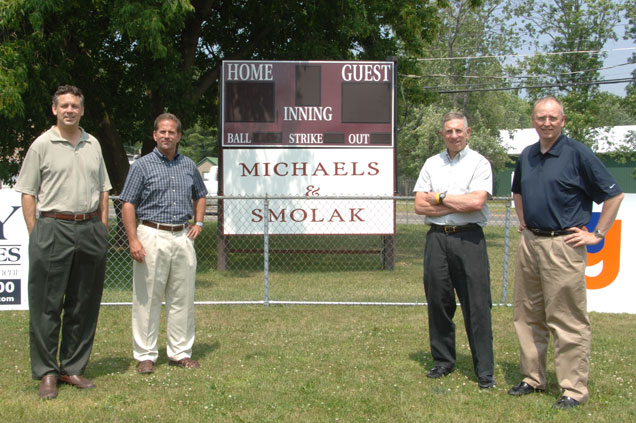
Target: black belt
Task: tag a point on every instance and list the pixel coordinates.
(66, 216)
(169, 228)
(451, 229)
(544, 232)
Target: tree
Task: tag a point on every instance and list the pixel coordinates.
(630, 33)
(135, 59)
(630, 100)
(570, 35)
(422, 140)
(466, 63)
(199, 142)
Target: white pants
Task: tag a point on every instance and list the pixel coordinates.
(169, 270)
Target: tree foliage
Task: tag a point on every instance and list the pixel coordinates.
(466, 47)
(135, 59)
(574, 32)
(199, 142)
(570, 35)
(630, 34)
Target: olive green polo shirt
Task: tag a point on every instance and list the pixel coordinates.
(64, 178)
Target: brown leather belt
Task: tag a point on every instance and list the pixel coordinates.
(74, 217)
(168, 228)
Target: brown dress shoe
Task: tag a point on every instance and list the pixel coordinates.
(186, 363)
(77, 381)
(146, 367)
(48, 387)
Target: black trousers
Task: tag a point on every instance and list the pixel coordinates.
(67, 262)
(458, 263)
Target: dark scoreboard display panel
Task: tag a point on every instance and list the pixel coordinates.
(307, 104)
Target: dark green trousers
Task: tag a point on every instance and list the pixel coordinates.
(67, 263)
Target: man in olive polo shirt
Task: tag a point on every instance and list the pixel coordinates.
(64, 175)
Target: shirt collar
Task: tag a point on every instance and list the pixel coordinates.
(55, 135)
(458, 156)
(163, 156)
(555, 150)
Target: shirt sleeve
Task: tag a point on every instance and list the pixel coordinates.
(30, 177)
(599, 182)
(423, 183)
(482, 178)
(516, 180)
(198, 186)
(131, 193)
(106, 186)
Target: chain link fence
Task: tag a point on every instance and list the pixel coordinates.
(306, 251)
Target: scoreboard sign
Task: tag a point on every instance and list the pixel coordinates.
(308, 129)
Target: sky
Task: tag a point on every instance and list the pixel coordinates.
(618, 52)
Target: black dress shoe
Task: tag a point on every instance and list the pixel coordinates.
(565, 402)
(523, 389)
(486, 382)
(439, 371)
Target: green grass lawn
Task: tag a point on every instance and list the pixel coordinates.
(312, 364)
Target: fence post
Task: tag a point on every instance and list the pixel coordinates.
(221, 240)
(504, 292)
(266, 249)
(388, 244)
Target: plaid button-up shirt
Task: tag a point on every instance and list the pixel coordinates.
(163, 190)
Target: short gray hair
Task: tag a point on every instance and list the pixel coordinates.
(452, 116)
(548, 98)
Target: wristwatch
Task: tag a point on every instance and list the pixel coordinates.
(199, 224)
(599, 234)
(442, 195)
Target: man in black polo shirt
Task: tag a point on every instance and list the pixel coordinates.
(555, 182)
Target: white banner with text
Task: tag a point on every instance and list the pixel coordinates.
(14, 248)
(309, 173)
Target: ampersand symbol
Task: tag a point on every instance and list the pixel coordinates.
(311, 191)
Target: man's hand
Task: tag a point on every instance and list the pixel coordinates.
(194, 231)
(430, 198)
(581, 237)
(137, 251)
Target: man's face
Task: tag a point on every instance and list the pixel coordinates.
(455, 134)
(167, 137)
(548, 120)
(68, 110)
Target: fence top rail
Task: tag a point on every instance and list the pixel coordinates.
(321, 197)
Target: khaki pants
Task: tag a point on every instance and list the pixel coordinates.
(169, 270)
(551, 298)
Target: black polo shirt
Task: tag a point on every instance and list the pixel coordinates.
(558, 187)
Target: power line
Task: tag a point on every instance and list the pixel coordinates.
(569, 84)
(440, 75)
(497, 56)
